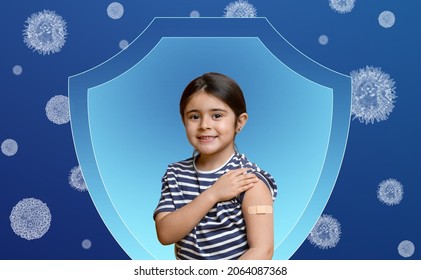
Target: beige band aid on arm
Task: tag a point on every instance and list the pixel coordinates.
(260, 209)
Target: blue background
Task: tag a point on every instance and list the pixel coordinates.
(389, 149)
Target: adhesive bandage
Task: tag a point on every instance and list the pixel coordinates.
(260, 209)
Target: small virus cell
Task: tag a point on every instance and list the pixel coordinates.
(406, 248)
(17, 70)
(86, 244)
(386, 19)
(30, 218)
(342, 6)
(57, 109)
(123, 44)
(9, 147)
(373, 95)
(45, 32)
(76, 180)
(390, 192)
(194, 14)
(323, 40)
(240, 9)
(115, 10)
(325, 233)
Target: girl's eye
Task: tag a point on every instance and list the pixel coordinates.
(194, 117)
(217, 116)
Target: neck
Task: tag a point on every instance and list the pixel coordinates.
(210, 162)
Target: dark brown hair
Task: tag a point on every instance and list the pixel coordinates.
(222, 87)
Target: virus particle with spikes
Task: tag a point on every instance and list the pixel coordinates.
(373, 95)
(325, 233)
(342, 6)
(45, 32)
(240, 9)
(30, 218)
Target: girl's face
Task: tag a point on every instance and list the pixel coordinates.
(211, 125)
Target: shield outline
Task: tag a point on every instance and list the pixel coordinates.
(159, 28)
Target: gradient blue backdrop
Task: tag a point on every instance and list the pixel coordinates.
(390, 149)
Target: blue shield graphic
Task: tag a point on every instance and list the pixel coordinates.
(127, 129)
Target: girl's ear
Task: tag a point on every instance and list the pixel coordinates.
(241, 122)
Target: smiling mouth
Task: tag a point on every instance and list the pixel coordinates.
(206, 138)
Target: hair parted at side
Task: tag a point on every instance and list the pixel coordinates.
(221, 86)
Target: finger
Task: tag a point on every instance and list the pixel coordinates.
(247, 187)
(241, 171)
(247, 184)
(236, 172)
(248, 177)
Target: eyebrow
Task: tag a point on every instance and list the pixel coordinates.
(212, 110)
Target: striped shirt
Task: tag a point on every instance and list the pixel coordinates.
(221, 234)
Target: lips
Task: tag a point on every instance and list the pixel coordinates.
(206, 138)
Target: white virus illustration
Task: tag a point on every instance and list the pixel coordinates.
(115, 10)
(76, 180)
(17, 70)
(386, 19)
(57, 109)
(9, 147)
(406, 248)
(123, 44)
(30, 218)
(86, 244)
(323, 40)
(325, 233)
(390, 192)
(373, 95)
(45, 32)
(194, 14)
(342, 6)
(240, 9)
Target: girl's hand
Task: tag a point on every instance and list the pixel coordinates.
(232, 184)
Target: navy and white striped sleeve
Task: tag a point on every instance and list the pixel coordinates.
(269, 182)
(166, 202)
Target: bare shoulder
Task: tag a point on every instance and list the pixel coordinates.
(259, 193)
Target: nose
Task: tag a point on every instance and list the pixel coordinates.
(204, 123)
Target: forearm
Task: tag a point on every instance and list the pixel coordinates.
(176, 225)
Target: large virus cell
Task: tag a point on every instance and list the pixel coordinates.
(9, 147)
(386, 19)
(240, 9)
(30, 218)
(76, 180)
(115, 10)
(342, 6)
(373, 95)
(45, 32)
(325, 233)
(57, 109)
(390, 192)
(406, 248)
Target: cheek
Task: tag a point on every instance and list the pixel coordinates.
(190, 129)
(227, 127)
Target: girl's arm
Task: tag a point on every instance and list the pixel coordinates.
(259, 226)
(173, 226)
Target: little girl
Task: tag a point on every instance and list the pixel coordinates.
(216, 204)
